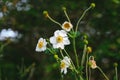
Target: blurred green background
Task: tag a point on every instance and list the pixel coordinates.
(101, 24)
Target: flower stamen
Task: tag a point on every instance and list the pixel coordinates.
(59, 39)
(40, 44)
(62, 65)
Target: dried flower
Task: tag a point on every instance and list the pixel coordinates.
(92, 62)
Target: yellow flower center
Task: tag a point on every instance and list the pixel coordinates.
(59, 39)
(66, 25)
(62, 65)
(40, 44)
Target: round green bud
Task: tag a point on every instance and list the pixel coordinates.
(92, 5)
(89, 63)
(85, 37)
(115, 64)
(64, 8)
(89, 49)
(45, 13)
(86, 41)
(56, 56)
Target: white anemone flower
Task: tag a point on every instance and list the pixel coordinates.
(60, 39)
(9, 34)
(67, 26)
(41, 45)
(65, 63)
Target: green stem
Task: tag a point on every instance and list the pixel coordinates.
(54, 20)
(76, 56)
(87, 67)
(84, 54)
(116, 74)
(50, 50)
(103, 73)
(0, 73)
(82, 17)
(80, 78)
(2, 46)
(67, 15)
(70, 59)
(74, 67)
(61, 53)
(89, 74)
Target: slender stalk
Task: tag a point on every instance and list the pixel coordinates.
(50, 50)
(67, 15)
(0, 73)
(61, 76)
(70, 58)
(84, 54)
(87, 67)
(82, 17)
(80, 77)
(89, 74)
(2, 46)
(116, 74)
(103, 73)
(76, 56)
(54, 20)
(61, 53)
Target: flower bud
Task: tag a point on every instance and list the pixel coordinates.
(115, 64)
(64, 8)
(85, 37)
(56, 56)
(45, 13)
(86, 41)
(89, 49)
(92, 5)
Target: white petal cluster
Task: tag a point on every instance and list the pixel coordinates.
(60, 39)
(1, 14)
(65, 63)
(23, 5)
(9, 5)
(9, 34)
(67, 26)
(41, 45)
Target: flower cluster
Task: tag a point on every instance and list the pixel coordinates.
(22, 5)
(7, 6)
(9, 34)
(64, 37)
(59, 40)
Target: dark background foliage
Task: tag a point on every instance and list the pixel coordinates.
(101, 24)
